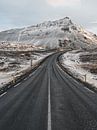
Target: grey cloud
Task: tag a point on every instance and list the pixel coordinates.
(28, 12)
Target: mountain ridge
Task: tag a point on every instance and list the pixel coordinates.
(48, 34)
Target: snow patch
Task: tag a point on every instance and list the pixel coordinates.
(71, 61)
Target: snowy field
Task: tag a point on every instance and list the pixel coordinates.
(72, 61)
(13, 64)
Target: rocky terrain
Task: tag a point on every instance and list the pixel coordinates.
(51, 34)
(15, 45)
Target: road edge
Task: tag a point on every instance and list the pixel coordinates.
(89, 86)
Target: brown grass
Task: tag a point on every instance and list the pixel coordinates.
(89, 62)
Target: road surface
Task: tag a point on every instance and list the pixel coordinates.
(48, 99)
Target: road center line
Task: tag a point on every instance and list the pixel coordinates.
(49, 104)
(3, 94)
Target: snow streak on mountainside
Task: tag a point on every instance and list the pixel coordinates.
(48, 34)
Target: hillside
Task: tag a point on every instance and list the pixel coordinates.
(48, 34)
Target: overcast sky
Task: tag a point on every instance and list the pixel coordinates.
(20, 13)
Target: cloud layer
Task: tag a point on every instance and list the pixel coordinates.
(18, 13)
(58, 3)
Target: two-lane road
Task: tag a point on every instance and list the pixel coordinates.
(49, 99)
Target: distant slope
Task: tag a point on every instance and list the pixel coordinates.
(49, 33)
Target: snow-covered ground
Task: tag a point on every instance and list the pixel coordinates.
(71, 61)
(15, 46)
(48, 34)
(8, 71)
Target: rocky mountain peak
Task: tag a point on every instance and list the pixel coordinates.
(49, 33)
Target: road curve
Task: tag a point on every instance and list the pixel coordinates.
(48, 99)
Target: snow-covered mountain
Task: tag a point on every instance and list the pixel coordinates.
(48, 34)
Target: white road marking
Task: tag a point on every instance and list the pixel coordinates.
(89, 90)
(3, 94)
(26, 78)
(30, 75)
(9, 86)
(49, 104)
(34, 72)
(77, 82)
(67, 73)
(17, 85)
(60, 68)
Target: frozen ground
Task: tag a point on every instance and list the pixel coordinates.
(72, 61)
(14, 64)
(14, 46)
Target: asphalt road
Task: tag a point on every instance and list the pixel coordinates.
(48, 99)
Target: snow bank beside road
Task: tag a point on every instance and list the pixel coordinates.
(71, 61)
(24, 65)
